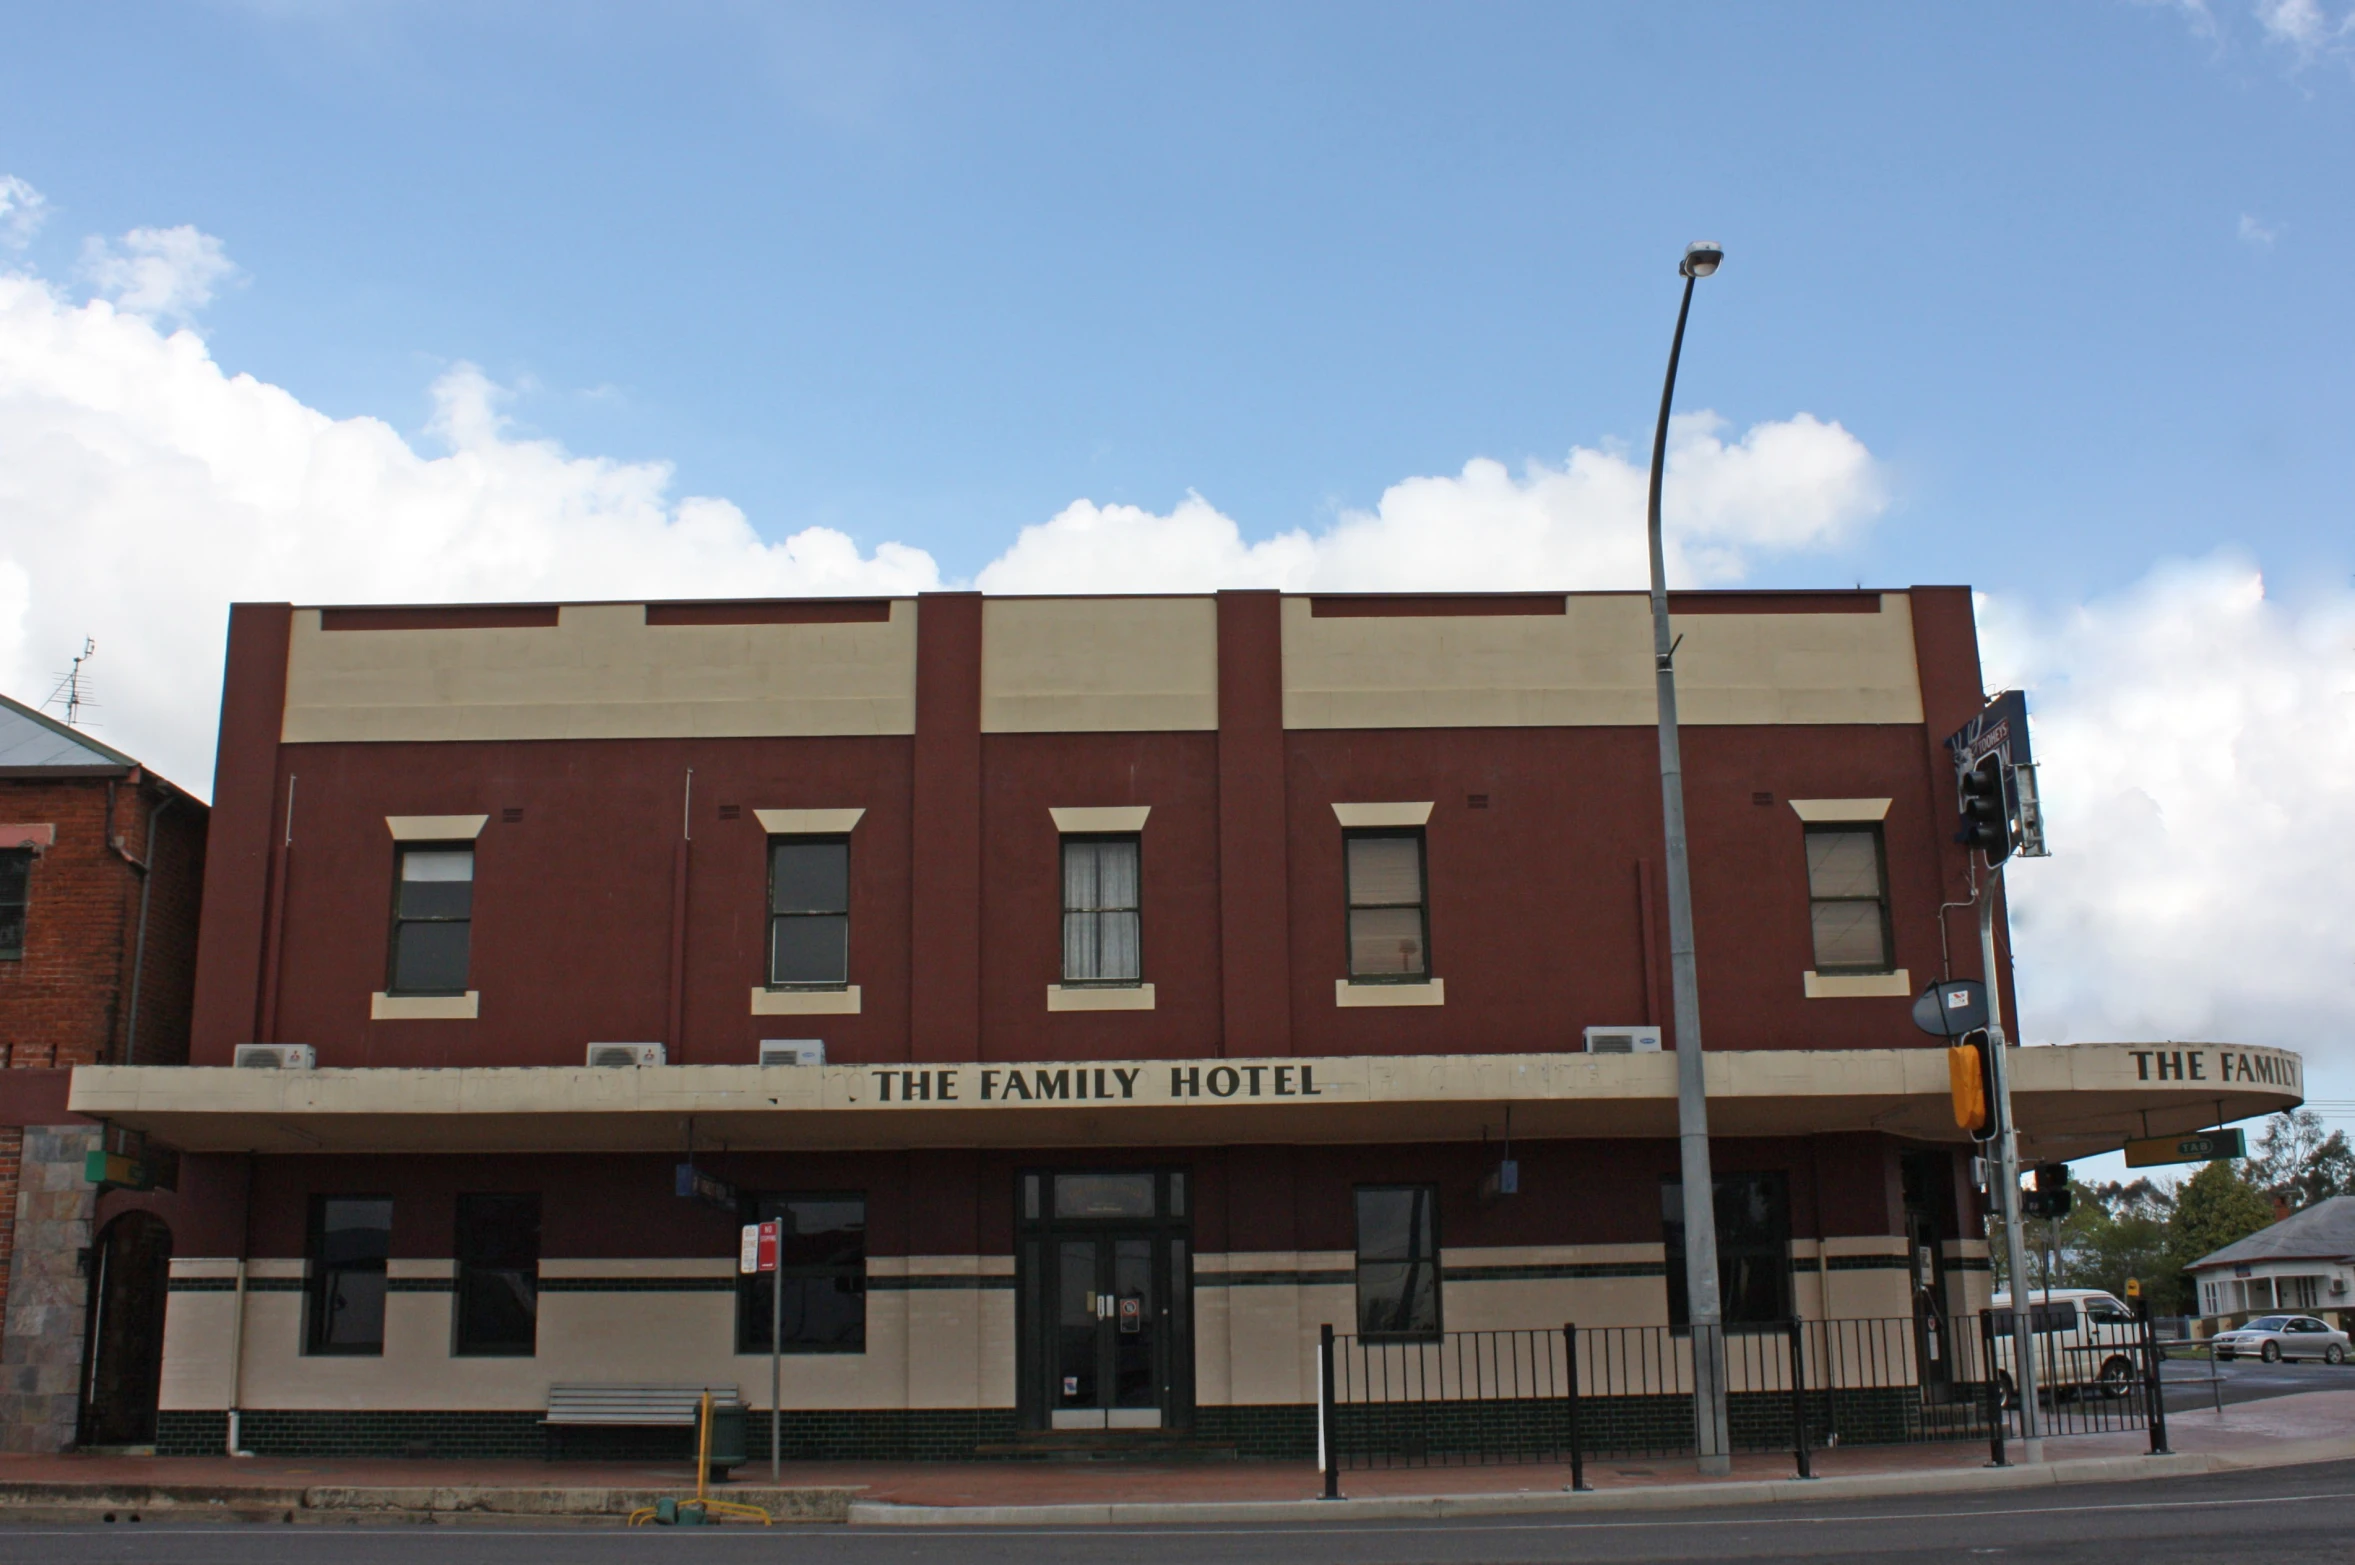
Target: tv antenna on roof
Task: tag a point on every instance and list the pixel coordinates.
(72, 689)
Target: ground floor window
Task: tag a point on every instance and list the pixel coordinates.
(498, 1282)
(1753, 1249)
(822, 1269)
(350, 1238)
(1398, 1261)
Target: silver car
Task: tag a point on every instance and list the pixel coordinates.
(2277, 1337)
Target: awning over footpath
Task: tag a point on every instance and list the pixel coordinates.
(2073, 1101)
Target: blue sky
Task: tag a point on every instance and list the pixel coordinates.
(359, 301)
(2073, 272)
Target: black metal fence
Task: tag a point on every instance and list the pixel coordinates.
(1475, 1397)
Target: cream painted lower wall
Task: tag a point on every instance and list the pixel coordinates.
(940, 1329)
(926, 1347)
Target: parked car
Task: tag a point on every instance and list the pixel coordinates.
(2086, 1342)
(2277, 1337)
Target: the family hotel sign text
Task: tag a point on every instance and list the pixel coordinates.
(1083, 1083)
(2266, 1067)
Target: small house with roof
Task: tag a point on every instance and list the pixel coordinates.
(2305, 1262)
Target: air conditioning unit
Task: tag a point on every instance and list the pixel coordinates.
(622, 1054)
(275, 1057)
(1623, 1040)
(792, 1051)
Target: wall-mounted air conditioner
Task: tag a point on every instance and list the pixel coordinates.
(792, 1051)
(622, 1054)
(275, 1057)
(1623, 1040)
(2338, 1285)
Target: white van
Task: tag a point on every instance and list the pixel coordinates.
(2086, 1340)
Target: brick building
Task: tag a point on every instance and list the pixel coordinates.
(101, 871)
(1105, 992)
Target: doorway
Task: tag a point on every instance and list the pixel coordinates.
(1105, 1274)
(1927, 1180)
(123, 1345)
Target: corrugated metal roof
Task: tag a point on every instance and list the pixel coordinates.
(30, 740)
(2324, 1231)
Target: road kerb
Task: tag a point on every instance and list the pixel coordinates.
(1713, 1496)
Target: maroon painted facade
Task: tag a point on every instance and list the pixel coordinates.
(1541, 842)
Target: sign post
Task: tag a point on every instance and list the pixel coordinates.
(757, 1252)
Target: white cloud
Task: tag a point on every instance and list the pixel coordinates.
(142, 489)
(2298, 23)
(2196, 746)
(1788, 485)
(2256, 234)
(158, 272)
(2304, 27)
(22, 212)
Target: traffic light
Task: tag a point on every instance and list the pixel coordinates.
(2050, 1197)
(1987, 812)
(1970, 1075)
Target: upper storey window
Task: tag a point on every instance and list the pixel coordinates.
(16, 873)
(1389, 918)
(809, 912)
(1103, 940)
(1848, 898)
(433, 918)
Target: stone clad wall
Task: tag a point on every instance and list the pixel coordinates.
(48, 1297)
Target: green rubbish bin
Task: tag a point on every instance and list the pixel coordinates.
(727, 1440)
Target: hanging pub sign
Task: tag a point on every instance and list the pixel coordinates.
(2204, 1147)
(693, 1184)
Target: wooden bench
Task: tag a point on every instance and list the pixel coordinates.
(583, 1405)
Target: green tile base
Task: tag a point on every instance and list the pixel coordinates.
(882, 1434)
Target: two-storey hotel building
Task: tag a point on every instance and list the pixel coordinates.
(1105, 993)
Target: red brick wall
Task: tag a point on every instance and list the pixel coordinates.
(67, 1001)
(60, 1004)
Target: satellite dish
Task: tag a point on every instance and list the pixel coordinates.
(1950, 1010)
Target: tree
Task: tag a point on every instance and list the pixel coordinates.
(2117, 1231)
(2298, 1162)
(2214, 1208)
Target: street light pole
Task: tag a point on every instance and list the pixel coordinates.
(1703, 1311)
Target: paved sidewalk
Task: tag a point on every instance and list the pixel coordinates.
(2311, 1426)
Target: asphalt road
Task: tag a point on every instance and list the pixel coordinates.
(2246, 1380)
(2286, 1516)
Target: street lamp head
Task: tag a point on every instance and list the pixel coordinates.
(1701, 259)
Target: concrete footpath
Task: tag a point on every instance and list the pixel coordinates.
(2281, 1431)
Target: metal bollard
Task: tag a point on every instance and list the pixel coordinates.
(1577, 1446)
(1328, 1448)
(1799, 1398)
(2153, 1386)
(1994, 1375)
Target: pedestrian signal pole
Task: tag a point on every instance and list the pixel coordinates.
(2007, 1185)
(1996, 795)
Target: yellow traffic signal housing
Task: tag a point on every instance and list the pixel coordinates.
(1967, 1075)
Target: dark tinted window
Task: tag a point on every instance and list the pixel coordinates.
(433, 919)
(16, 874)
(349, 1240)
(1398, 1261)
(809, 911)
(822, 1268)
(1753, 1249)
(498, 1282)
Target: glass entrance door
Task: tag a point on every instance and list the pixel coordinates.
(1109, 1334)
(1104, 1276)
